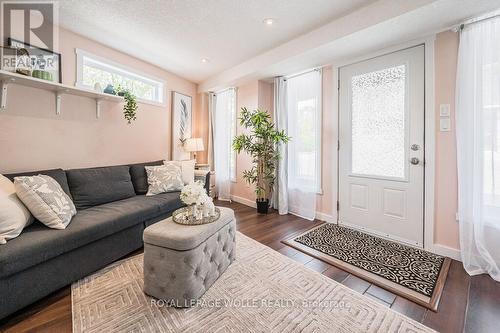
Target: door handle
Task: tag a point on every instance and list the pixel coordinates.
(414, 161)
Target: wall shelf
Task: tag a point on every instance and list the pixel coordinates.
(59, 90)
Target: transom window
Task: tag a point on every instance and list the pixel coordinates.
(92, 69)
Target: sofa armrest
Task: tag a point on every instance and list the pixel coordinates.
(205, 175)
(207, 183)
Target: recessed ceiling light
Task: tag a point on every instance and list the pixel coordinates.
(268, 21)
(204, 60)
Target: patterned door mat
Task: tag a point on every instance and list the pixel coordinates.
(410, 272)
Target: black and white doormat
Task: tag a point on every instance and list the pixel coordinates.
(406, 266)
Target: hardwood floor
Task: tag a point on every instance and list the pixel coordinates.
(467, 304)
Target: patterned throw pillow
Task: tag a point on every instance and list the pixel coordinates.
(187, 169)
(46, 200)
(164, 178)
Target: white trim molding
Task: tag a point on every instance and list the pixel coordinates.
(446, 251)
(244, 201)
(325, 217)
(125, 71)
(430, 145)
(319, 216)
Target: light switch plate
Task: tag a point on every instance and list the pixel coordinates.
(445, 124)
(444, 110)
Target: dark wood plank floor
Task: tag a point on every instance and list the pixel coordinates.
(467, 304)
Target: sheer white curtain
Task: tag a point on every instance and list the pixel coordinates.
(224, 108)
(211, 121)
(478, 147)
(279, 200)
(304, 149)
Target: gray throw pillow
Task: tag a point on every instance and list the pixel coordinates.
(164, 178)
(46, 200)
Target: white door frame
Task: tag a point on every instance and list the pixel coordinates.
(429, 136)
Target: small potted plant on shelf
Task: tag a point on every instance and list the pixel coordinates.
(262, 145)
(130, 107)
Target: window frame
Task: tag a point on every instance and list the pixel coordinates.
(319, 132)
(122, 70)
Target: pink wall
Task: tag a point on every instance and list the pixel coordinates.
(247, 96)
(260, 93)
(33, 137)
(200, 124)
(325, 201)
(445, 62)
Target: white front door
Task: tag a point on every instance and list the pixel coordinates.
(381, 146)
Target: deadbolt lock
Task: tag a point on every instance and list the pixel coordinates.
(415, 147)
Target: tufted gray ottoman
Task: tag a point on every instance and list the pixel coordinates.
(182, 261)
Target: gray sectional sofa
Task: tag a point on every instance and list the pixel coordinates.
(112, 212)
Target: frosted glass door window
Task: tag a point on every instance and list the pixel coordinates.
(381, 129)
(378, 123)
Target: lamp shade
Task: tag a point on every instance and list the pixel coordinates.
(194, 144)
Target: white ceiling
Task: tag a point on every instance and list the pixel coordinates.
(177, 34)
(378, 26)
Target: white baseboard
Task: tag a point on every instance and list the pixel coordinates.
(442, 250)
(446, 251)
(250, 203)
(325, 217)
(244, 201)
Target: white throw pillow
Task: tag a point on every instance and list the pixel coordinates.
(187, 169)
(14, 216)
(46, 200)
(164, 178)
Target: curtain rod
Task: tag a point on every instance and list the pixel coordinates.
(301, 73)
(223, 90)
(472, 21)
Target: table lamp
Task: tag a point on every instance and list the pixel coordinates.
(193, 145)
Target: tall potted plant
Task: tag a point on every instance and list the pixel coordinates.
(262, 145)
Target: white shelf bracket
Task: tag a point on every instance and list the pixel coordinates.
(3, 101)
(98, 108)
(58, 103)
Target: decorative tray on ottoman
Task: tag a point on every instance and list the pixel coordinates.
(185, 216)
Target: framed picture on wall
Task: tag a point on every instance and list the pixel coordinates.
(182, 116)
(42, 64)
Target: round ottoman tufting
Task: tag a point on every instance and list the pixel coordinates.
(182, 261)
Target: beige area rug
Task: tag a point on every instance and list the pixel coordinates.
(262, 291)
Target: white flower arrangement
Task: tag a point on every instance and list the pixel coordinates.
(194, 194)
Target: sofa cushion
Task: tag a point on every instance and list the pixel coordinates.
(97, 186)
(167, 202)
(139, 176)
(38, 243)
(58, 174)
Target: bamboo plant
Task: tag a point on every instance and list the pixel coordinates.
(261, 143)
